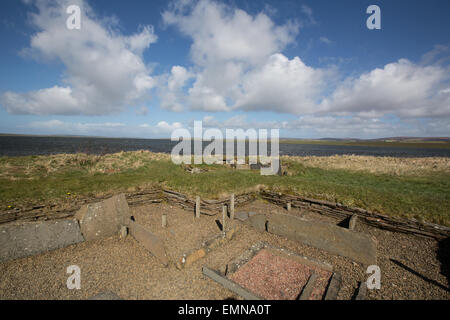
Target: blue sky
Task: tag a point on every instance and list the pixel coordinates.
(144, 68)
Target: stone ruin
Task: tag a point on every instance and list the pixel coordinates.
(111, 217)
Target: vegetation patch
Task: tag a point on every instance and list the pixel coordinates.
(412, 188)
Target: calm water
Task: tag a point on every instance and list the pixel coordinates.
(29, 145)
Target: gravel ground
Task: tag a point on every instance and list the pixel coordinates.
(126, 268)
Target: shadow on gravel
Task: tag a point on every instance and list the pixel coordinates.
(443, 255)
(434, 282)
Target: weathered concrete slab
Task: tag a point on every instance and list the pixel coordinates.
(103, 219)
(308, 288)
(329, 237)
(229, 284)
(106, 295)
(149, 241)
(362, 291)
(241, 216)
(257, 221)
(207, 246)
(333, 287)
(30, 238)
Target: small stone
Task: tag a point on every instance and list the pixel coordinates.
(164, 220)
(123, 232)
(352, 222)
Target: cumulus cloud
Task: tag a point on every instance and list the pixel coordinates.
(171, 90)
(401, 88)
(166, 127)
(222, 33)
(233, 72)
(224, 49)
(283, 85)
(237, 65)
(104, 70)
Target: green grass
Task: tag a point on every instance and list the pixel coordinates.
(425, 197)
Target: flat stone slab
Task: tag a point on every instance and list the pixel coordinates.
(329, 237)
(257, 221)
(229, 284)
(30, 238)
(241, 216)
(149, 241)
(103, 219)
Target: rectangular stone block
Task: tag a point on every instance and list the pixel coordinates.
(257, 221)
(103, 219)
(149, 241)
(241, 216)
(329, 237)
(229, 284)
(30, 238)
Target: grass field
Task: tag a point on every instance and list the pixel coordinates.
(417, 187)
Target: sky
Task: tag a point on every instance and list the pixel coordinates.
(312, 69)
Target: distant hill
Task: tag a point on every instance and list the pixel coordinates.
(414, 139)
(387, 139)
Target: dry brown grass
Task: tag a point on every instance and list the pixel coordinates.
(377, 165)
(42, 166)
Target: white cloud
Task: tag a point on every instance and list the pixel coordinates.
(309, 13)
(283, 85)
(76, 128)
(316, 126)
(238, 65)
(166, 127)
(104, 70)
(117, 129)
(401, 88)
(234, 72)
(325, 40)
(439, 55)
(222, 33)
(171, 88)
(224, 49)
